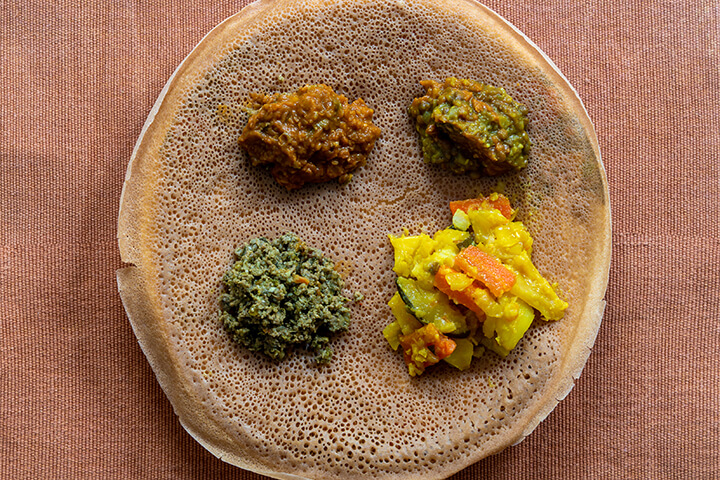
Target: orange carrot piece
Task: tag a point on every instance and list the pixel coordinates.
(466, 205)
(415, 347)
(503, 204)
(444, 347)
(485, 268)
(500, 203)
(462, 297)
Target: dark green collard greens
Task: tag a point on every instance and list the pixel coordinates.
(468, 127)
(280, 294)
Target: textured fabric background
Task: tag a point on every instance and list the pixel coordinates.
(77, 397)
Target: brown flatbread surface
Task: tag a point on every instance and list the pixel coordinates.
(190, 198)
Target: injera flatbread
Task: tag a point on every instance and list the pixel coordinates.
(191, 197)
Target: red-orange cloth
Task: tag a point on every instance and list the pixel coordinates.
(78, 400)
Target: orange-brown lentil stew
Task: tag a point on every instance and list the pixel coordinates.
(309, 136)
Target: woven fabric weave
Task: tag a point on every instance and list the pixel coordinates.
(78, 399)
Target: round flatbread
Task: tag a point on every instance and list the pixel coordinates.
(191, 197)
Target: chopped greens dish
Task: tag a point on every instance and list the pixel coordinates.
(280, 294)
(470, 287)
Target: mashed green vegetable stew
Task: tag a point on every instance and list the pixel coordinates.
(468, 127)
(280, 294)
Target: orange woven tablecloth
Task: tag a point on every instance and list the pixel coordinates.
(77, 397)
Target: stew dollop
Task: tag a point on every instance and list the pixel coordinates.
(468, 127)
(312, 135)
(283, 293)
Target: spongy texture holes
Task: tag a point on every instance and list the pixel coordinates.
(361, 416)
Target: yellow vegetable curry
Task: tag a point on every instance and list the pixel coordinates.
(470, 287)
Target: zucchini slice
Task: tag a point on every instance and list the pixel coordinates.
(431, 307)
